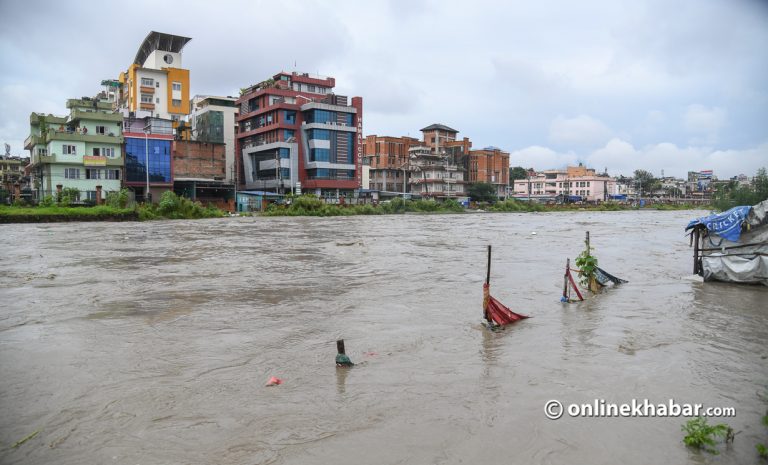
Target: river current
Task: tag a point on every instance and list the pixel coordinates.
(151, 343)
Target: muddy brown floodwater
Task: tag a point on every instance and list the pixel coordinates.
(151, 343)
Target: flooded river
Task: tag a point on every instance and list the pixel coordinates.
(151, 343)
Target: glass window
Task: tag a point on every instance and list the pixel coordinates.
(101, 130)
(319, 155)
(285, 153)
(69, 149)
(320, 134)
(176, 86)
(91, 173)
(146, 98)
(288, 134)
(149, 82)
(72, 173)
(289, 116)
(176, 102)
(159, 160)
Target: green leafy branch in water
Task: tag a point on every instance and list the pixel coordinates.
(587, 265)
(762, 450)
(702, 435)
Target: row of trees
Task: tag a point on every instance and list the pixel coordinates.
(734, 194)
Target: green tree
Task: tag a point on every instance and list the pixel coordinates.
(645, 182)
(518, 172)
(483, 192)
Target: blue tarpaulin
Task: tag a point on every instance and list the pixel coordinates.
(726, 224)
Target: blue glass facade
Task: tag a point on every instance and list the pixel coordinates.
(325, 173)
(159, 160)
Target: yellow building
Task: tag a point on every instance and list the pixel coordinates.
(156, 82)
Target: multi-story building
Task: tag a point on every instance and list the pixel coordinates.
(435, 175)
(489, 165)
(388, 158)
(295, 134)
(11, 174)
(83, 150)
(198, 172)
(155, 81)
(213, 121)
(576, 183)
(148, 161)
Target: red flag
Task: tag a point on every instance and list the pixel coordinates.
(497, 312)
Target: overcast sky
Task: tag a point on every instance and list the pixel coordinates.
(658, 85)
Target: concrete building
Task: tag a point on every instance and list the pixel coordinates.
(155, 81)
(11, 175)
(575, 183)
(83, 150)
(388, 158)
(198, 172)
(213, 120)
(148, 155)
(435, 175)
(489, 165)
(295, 134)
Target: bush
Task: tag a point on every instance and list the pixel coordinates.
(171, 206)
(702, 435)
(68, 196)
(118, 199)
(47, 201)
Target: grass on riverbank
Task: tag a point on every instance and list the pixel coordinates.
(171, 206)
(307, 205)
(58, 214)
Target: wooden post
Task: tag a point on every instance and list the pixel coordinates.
(565, 278)
(588, 251)
(488, 273)
(341, 358)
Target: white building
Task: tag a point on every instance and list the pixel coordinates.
(213, 120)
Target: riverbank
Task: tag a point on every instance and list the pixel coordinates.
(65, 214)
(170, 207)
(310, 206)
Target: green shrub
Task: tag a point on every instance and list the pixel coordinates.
(47, 201)
(702, 435)
(118, 199)
(68, 196)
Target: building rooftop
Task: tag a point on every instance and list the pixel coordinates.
(438, 126)
(159, 41)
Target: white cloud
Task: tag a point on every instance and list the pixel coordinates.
(702, 120)
(621, 157)
(581, 131)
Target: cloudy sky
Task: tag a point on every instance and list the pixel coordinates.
(659, 85)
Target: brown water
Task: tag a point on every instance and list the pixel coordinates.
(151, 343)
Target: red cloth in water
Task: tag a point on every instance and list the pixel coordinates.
(496, 311)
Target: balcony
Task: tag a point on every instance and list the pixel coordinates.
(33, 140)
(101, 115)
(146, 106)
(147, 89)
(76, 136)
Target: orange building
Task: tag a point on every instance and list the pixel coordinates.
(388, 161)
(490, 165)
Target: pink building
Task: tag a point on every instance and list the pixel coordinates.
(575, 181)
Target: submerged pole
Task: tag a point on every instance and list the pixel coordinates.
(696, 250)
(341, 358)
(488, 273)
(565, 279)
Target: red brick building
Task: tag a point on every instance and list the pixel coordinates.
(490, 165)
(295, 133)
(388, 161)
(199, 172)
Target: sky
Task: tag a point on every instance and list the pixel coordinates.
(672, 86)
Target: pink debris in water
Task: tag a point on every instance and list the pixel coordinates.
(370, 354)
(274, 381)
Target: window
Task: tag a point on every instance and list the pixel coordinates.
(90, 195)
(103, 152)
(101, 130)
(69, 149)
(157, 84)
(91, 173)
(112, 174)
(42, 151)
(148, 82)
(319, 155)
(146, 98)
(71, 173)
(157, 100)
(176, 102)
(310, 88)
(176, 86)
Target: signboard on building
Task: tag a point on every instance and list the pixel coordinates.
(94, 161)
